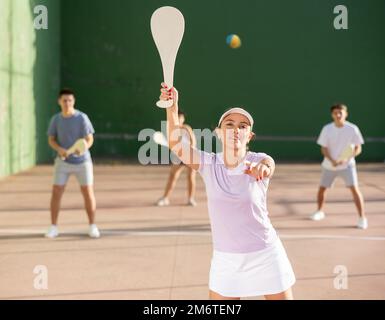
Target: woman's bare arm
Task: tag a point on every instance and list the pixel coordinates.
(263, 169)
(191, 134)
(186, 152)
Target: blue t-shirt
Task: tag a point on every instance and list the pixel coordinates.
(68, 130)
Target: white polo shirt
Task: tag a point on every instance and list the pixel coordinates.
(337, 139)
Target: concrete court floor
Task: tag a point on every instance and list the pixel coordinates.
(148, 252)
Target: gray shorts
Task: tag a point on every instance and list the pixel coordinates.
(349, 175)
(83, 172)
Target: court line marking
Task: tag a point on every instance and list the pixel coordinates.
(330, 236)
(5, 232)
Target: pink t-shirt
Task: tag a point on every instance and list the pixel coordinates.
(237, 205)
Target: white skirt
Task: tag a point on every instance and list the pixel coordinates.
(258, 273)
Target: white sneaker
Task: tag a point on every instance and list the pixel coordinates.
(162, 202)
(362, 223)
(52, 232)
(93, 232)
(192, 202)
(317, 216)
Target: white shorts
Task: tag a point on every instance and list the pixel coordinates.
(83, 172)
(258, 273)
(349, 175)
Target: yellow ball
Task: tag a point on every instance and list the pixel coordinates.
(233, 41)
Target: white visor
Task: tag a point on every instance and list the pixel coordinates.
(237, 110)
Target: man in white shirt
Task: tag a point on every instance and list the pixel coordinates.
(335, 139)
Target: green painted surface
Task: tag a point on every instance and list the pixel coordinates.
(46, 76)
(22, 107)
(291, 67)
(4, 87)
(29, 81)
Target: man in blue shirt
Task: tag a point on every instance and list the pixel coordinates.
(65, 129)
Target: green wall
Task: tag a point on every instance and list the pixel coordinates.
(29, 71)
(291, 67)
(46, 76)
(4, 87)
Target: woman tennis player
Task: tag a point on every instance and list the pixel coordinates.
(249, 258)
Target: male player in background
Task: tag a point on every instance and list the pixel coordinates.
(335, 138)
(64, 130)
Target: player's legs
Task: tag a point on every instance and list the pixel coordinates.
(351, 181)
(327, 179)
(175, 172)
(85, 174)
(285, 295)
(216, 296)
(57, 194)
(89, 202)
(358, 200)
(321, 198)
(191, 185)
(61, 174)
